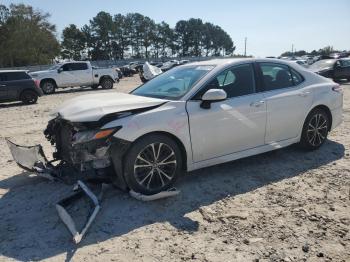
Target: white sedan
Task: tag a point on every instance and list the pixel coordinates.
(194, 116)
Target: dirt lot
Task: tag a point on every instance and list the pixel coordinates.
(286, 205)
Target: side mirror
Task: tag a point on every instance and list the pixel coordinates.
(59, 70)
(211, 96)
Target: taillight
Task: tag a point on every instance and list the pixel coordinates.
(337, 88)
(37, 83)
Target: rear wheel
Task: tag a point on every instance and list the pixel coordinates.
(29, 97)
(48, 86)
(152, 164)
(107, 83)
(315, 130)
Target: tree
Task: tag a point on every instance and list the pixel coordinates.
(100, 33)
(121, 35)
(26, 36)
(73, 43)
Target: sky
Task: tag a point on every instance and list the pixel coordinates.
(271, 26)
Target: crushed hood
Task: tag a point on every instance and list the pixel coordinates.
(93, 107)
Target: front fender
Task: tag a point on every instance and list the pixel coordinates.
(169, 118)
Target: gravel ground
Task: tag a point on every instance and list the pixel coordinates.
(285, 205)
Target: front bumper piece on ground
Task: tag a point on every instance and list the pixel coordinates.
(33, 159)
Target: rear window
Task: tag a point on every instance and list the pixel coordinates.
(13, 76)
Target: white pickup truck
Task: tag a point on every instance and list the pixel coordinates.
(73, 74)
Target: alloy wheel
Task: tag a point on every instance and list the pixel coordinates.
(155, 166)
(317, 130)
(48, 88)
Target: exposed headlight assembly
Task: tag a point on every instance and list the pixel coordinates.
(90, 135)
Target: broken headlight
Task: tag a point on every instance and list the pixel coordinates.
(90, 135)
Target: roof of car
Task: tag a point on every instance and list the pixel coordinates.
(12, 71)
(226, 61)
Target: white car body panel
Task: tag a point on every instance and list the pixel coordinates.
(90, 108)
(241, 120)
(286, 112)
(231, 129)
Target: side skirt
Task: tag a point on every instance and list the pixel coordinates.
(242, 154)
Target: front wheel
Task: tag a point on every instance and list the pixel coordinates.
(315, 130)
(152, 164)
(48, 87)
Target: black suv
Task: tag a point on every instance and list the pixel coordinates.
(17, 85)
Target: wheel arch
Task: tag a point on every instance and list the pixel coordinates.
(48, 79)
(105, 77)
(327, 111)
(173, 137)
(26, 90)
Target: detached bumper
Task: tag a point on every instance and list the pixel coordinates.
(27, 157)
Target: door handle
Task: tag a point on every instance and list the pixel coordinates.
(304, 94)
(257, 103)
(2, 85)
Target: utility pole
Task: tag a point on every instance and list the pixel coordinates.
(292, 49)
(245, 47)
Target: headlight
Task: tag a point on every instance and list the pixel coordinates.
(86, 136)
(34, 75)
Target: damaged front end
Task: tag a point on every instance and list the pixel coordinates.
(85, 154)
(87, 149)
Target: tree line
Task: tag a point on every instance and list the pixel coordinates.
(325, 51)
(28, 38)
(138, 36)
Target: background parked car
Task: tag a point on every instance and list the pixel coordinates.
(301, 62)
(73, 74)
(336, 69)
(127, 71)
(16, 85)
(169, 65)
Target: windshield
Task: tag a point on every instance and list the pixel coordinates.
(174, 83)
(323, 64)
(55, 67)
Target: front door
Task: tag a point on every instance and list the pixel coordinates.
(229, 126)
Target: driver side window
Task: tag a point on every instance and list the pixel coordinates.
(67, 67)
(236, 81)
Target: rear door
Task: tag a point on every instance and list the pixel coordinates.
(287, 99)
(17, 82)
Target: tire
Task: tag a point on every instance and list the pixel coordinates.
(48, 87)
(315, 130)
(107, 83)
(29, 97)
(143, 168)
